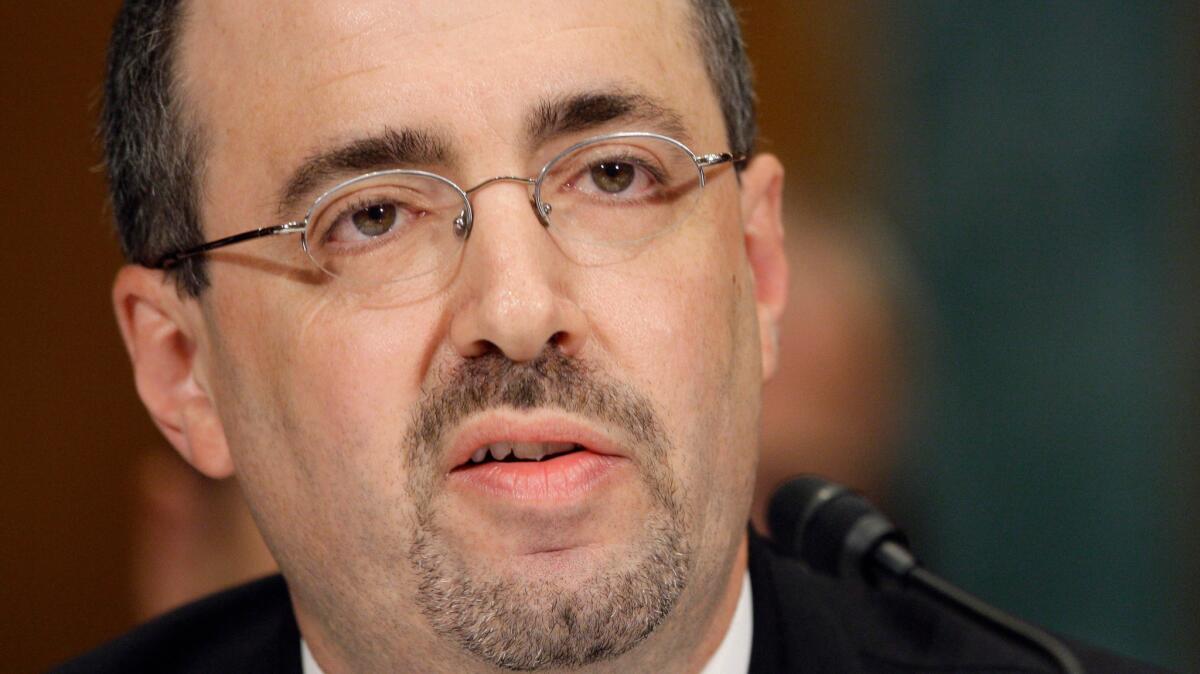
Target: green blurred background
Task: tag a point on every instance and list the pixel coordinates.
(1043, 162)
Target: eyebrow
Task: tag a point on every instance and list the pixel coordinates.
(401, 147)
(393, 148)
(591, 109)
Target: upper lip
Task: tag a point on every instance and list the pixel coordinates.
(493, 427)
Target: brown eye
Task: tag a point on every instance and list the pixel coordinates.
(374, 220)
(613, 176)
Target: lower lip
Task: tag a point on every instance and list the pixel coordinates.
(564, 477)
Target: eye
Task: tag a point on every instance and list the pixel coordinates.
(386, 226)
(620, 177)
(613, 176)
(366, 220)
(375, 219)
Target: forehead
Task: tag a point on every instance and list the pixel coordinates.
(273, 80)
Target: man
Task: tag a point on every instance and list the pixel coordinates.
(475, 300)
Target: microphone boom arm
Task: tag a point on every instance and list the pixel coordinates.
(837, 532)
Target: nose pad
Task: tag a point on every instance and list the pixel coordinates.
(463, 224)
(543, 213)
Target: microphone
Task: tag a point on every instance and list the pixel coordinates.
(839, 533)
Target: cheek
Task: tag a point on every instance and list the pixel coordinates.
(664, 327)
(337, 368)
(679, 323)
(318, 397)
(358, 373)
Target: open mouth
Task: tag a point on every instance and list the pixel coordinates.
(551, 462)
(540, 459)
(520, 452)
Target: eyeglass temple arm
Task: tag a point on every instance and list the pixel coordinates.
(171, 259)
(706, 160)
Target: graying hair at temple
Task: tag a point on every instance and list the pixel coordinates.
(154, 149)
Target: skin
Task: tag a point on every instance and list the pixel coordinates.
(304, 392)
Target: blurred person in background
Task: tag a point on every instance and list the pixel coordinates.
(840, 404)
(192, 535)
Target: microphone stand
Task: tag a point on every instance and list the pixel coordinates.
(904, 569)
(837, 532)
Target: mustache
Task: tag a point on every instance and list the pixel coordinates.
(552, 380)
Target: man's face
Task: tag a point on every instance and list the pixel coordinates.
(351, 415)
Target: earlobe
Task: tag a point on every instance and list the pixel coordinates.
(160, 330)
(762, 215)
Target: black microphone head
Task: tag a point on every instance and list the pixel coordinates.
(791, 506)
(832, 529)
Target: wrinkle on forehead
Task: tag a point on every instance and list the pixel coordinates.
(307, 34)
(459, 75)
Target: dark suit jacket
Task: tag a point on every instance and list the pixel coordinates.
(802, 623)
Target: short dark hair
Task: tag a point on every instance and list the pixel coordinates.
(729, 70)
(154, 149)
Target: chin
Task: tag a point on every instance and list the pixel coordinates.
(553, 608)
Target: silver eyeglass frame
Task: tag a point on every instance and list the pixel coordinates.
(464, 222)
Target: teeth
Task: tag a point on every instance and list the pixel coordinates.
(500, 450)
(527, 451)
(536, 451)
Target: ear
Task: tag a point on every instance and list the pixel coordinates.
(762, 218)
(160, 329)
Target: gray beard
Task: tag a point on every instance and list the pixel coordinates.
(522, 625)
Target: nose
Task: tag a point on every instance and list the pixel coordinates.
(515, 293)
